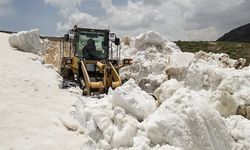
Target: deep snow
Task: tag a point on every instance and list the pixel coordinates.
(195, 92)
(190, 116)
(31, 103)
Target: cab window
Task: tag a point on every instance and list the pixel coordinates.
(100, 51)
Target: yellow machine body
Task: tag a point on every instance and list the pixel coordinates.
(94, 74)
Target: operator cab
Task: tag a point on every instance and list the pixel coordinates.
(92, 44)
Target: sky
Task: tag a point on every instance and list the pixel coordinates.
(176, 19)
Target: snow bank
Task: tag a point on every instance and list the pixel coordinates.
(28, 41)
(185, 120)
(202, 87)
(31, 102)
(150, 52)
(215, 77)
(135, 101)
(208, 68)
(239, 128)
(106, 125)
(112, 121)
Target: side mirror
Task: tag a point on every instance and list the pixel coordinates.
(127, 61)
(66, 37)
(117, 41)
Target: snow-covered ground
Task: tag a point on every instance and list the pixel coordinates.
(197, 98)
(31, 103)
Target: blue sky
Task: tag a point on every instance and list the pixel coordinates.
(178, 20)
(28, 14)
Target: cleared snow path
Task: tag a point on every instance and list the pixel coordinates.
(31, 103)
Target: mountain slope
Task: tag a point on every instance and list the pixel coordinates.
(240, 34)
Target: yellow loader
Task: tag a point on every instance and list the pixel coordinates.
(90, 58)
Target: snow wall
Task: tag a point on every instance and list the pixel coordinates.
(195, 92)
(28, 41)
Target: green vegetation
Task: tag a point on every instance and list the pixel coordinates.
(234, 49)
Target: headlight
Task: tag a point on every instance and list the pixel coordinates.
(68, 61)
(127, 61)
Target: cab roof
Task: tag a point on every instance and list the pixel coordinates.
(93, 30)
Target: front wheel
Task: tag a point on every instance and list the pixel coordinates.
(82, 83)
(67, 74)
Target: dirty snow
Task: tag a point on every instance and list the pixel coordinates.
(195, 92)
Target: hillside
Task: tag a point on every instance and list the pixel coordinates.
(240, 34)
(234, 49)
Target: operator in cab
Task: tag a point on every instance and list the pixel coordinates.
(89, 50)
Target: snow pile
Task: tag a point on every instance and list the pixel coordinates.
(239, 128)
(112, 121)
(135, 101)
(151, 38)
(185, 120)
(28, 41)
(213, 76)
(150, 53)
(167, 89)
(107, 126)
(203, 87)
(208, 68)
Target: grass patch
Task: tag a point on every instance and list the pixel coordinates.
(235, 50)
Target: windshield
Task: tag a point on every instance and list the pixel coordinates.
(92, 46)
